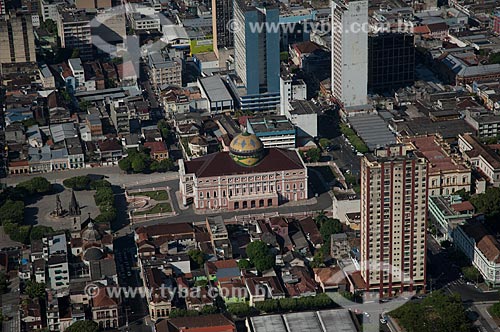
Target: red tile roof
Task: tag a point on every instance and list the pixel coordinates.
(156, 147)
(221, 163)
(215, 323)
(462, 207)
(306, 47)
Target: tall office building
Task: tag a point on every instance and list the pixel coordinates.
(350, 52)
(391, 61)
(17, 39)
(256, 54)
(393, 219)
(222, 13)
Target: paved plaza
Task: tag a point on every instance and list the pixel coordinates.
(39, 212)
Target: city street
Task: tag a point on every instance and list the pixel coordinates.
(112, 173)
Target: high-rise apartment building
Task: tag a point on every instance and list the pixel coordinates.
(257, 55)
(17, 39)
(391, 61)
(350, 52)
(394, 186)
(222, 13)
(75, 32)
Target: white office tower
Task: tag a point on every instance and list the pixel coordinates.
(350, 53)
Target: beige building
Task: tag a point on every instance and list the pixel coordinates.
(394, 191)
(17, 39)
(164, 71)
(104, 310)
(482, 157)
(448, 173)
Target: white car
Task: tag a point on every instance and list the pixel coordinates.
(383, 321)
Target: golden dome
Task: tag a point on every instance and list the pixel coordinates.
(246, 149)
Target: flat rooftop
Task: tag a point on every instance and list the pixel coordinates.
(215, 88)
(303, 107)
(439, 159)
(336, 320)
(270, 124)
(372, 129)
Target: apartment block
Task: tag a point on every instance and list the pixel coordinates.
(349, 53)
(17, 39)
(75, 32)
(394, 188)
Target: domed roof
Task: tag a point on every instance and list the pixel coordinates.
(91, 234)
(245, 144)
(93, 254)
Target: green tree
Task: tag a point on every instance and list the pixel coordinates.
(104, 196)
(318, 259)
(288, 304)
(313, 155)
(488, 202)
(495, 310)
(4, 283)
(83, 105)
(471, 273)
(260, 256)
(239, 309)
(244, 264)
(267, 306)
(138, 164)
(437, 312)
(35, 289)
(324, 142)
(77, 183)
(38, 232)
(36, 185)
(329, 227)
(197, 258)
(125, 164)
(208, 310)
(83, 326)
(164, 129)
(12, 212)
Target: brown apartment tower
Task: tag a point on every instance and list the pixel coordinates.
(222, 14)
(394, 186)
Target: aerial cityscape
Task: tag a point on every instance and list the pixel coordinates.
(250, 166)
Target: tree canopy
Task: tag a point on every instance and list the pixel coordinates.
(488, 202)
(35, 289)
(83, 326)
(260, 255)
(437, 312)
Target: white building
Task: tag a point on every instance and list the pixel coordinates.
(77, 69)
(350, 53)
(481, 248)
(212, 88)
(291, 89)
(144, 22)
(275, 131)
(304, 115)
(49, 9)
(56, 252)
